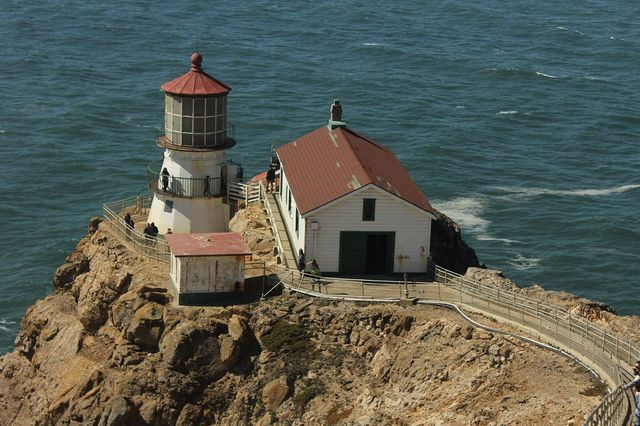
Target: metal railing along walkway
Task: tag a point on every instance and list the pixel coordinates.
(608, 353)
(153, 247)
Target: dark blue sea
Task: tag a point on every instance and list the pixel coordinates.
(519, 119)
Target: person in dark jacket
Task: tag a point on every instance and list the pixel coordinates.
(301, 260)
(165, 179)
(271, 179)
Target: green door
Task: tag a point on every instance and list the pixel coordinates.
(352, 252)
(366, 253)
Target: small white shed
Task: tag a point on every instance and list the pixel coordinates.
(206, 268)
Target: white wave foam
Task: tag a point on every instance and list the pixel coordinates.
(6, 321)
(562, 28)
(506, 112)
(3, 328)
(466, 212)
(460, 107)
(522, 263)
(502, 240)
(371, 44)
(541, 74)
(531, 192)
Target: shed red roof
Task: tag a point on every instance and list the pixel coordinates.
(324, 165)
(196, 82)
(207, 244)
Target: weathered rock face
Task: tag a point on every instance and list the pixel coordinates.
(108, 348)
(448, 249)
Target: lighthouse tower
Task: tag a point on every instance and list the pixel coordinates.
(190, 183)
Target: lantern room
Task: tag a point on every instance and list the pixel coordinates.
(196, 110)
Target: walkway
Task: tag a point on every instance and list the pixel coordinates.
(285, 249)
(604, 352)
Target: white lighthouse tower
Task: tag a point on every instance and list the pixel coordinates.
(190, 184)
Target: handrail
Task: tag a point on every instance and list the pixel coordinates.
(276, 234)
(153, 247)
(183, 186)
(601, 348)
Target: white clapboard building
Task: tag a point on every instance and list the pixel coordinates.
(349, 203)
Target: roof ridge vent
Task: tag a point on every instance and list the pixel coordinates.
(335, 116)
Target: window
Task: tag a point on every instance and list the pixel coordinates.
(369, 209)
(297, 224)
(168, 206)
(289, 200)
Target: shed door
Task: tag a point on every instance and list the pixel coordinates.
(366, 252)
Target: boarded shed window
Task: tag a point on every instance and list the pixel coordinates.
(369, 209)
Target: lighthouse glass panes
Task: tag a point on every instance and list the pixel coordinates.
(196, 122)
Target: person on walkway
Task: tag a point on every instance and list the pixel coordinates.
(301, 260)
(169, 231)
(635, 384)
(165, 179)
(271, 179)
(153, 230)
(207, 188)
(147, 231)
(315, 268)
(128, 222)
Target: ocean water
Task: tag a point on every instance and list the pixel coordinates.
(520, 119)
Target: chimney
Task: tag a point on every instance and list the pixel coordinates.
(335, 116)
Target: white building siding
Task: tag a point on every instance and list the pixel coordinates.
(289, 215)
(412, 229)
(207, 274)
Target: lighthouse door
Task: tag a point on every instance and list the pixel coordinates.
(223, 179)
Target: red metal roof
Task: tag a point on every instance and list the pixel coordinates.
(196, 82)
(324, 165)
(207, 244)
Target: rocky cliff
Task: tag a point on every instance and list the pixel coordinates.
(109, 348)
(448, 249)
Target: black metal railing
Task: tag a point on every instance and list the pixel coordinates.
(183, 187)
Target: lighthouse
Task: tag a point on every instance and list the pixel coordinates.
(190, 184)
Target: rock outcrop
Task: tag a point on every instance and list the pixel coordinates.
(109, 348)
(448, 249)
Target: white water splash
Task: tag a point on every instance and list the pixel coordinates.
(506, 113)
(541, 74)
(532, 192)
(523, 263)
(466, 212)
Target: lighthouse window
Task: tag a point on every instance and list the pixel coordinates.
(211, 106)
(176, 122)
(186, 124)
(198, 125)
(187, 106)
(211, 124)
(176, 106)
(198, 107)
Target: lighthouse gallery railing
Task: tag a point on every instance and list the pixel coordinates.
(183, 187)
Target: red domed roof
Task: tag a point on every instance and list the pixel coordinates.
(196, 82)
